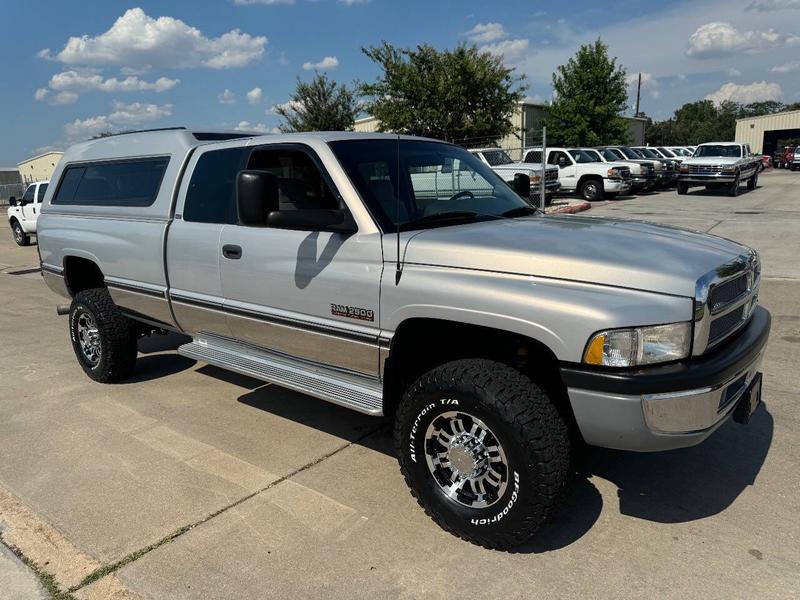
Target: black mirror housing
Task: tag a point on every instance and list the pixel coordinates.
(522, 185)
(256, 197)
(336, 220)
(12, 201)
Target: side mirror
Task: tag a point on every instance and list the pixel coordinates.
(22, 202)
(562, 162)
(12, 201)
(256, 196)
(337, 220)
(522, 185)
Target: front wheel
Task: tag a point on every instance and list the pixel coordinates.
(682, 188)
(611, 195)
(104, 340)
(752, 183)
(484, 451)
(733, 190)
(591, 190)
(20, 237)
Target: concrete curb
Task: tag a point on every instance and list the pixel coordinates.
(570, 209)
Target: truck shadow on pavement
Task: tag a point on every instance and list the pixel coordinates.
(677, 486)
(157, 357)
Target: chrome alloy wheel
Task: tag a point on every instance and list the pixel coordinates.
(89, 338)
(18, 233)
(466, 459)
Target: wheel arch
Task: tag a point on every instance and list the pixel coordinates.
(82, 273)
(421, 343)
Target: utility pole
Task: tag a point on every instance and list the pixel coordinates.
(638, 94)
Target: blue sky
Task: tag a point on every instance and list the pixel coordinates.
(72, 69)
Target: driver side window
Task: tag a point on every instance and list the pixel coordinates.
(28, 196)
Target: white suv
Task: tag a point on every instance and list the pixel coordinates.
(23, 213)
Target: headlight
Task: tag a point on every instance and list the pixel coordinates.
(684, 168)
(729, 170)
(535, 179)
(639, 345)
(614, 173)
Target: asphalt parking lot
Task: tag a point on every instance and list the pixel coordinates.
(190, 482)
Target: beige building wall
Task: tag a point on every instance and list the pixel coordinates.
(39, 168)
(527, 120)
(752, 130)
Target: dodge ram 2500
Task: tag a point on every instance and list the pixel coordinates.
(495, 338)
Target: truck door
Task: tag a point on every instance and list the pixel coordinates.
(567, 171)
(206, 204)
(28, 208)
(37, 206)
(308, 294)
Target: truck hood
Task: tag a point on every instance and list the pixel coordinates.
(520, 167)
(613, 252)
(711, 161)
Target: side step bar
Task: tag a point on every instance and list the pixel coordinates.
(358, 393)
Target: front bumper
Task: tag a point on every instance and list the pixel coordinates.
(617, 186)
(666, 406)
(705, 179)
(643, 183)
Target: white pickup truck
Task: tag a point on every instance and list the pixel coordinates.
(24, 213)
(720, 165)
(501, 163)
(582, 174)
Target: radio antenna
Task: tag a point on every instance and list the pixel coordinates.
(398, 267)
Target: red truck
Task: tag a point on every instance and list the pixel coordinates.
(783, 158)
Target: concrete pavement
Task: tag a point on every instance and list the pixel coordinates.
(190, 482)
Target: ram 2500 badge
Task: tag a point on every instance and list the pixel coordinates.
(496, 339)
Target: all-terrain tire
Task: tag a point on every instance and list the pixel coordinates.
(519, 417)
(20, 237)
(115, 333)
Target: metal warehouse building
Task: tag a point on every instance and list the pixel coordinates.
(528, 120)
(39, 168)
(768, 133)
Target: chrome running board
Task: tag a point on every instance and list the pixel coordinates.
(351, 390)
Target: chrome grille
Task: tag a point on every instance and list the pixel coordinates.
(703, 169)
(727, 323)
(551, 175)
(727, 293)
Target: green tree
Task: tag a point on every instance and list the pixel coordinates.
(459, 95)
(321, 104)
(590, 96)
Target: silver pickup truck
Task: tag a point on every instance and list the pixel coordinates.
(718, 165)
(498, 340)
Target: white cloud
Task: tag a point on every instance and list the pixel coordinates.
(65, 97)
(733, 72)
(254, 95)
(124, 116)
(91, 82)
(329, 62)
(770, 5)
(259, 127)
(485, 32)
(227, 97)
(649, 84)
(352, 2)
(288, 105)
(511, 50)
(136, 40)
(718, 39)
(789, 67)
(41, 94)
(754, 92)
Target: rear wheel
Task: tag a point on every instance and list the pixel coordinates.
(591, 190)
(104, 340)
(20, 237)
(484, 451)
(682, 188)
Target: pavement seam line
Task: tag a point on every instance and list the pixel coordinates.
(136, 555)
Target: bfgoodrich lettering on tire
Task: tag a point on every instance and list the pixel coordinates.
(483, 450)
(103, 338)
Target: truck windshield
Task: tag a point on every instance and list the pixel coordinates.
(496, 157)
(647, 153)
(629, 153)
(667, 152)
(728, 151)
(421, 184)
(582, 156)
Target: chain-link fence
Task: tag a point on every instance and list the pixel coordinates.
(10, 189)
(504, 153)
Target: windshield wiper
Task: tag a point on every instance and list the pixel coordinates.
(444, 217)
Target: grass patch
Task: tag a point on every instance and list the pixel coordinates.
(46, 579)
